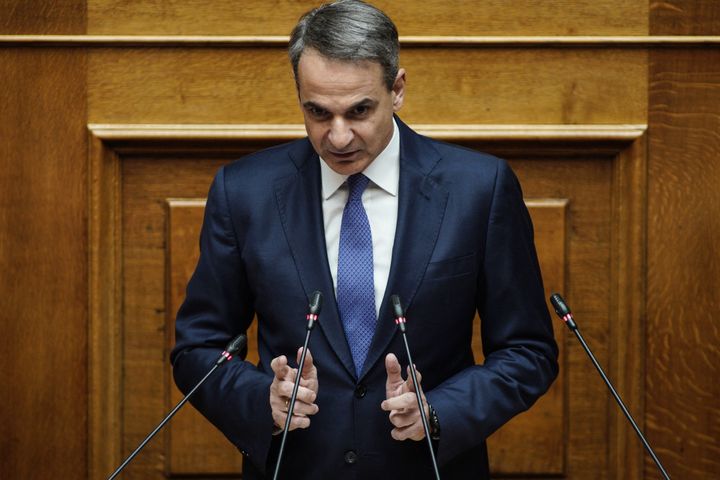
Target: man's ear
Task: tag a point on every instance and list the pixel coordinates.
(398, 90)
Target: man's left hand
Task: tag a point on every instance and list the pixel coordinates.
(401, 402)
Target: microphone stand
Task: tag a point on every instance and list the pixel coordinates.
(312, 316)
(563, 311)
(236, 345)
(400, 320)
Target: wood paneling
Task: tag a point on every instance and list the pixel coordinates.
(147, 184)
(43, 264)
(153, 171)
(683, 275)
(683, 353)
(574, 86)
(430, 17)
(682, 17)
(46, 17)
(588, 287)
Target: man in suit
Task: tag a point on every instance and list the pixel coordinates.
(361, 209)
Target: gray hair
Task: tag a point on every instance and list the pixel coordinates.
(348, 30)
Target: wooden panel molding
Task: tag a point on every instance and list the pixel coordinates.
(622, 145)
(136, 138)
(193, 445)
(407, 41)
(105, 300)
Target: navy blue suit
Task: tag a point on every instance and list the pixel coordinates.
(464, 242)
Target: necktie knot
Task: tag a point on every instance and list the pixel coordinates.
(357, 184)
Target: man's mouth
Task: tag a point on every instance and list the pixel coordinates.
(344, 155)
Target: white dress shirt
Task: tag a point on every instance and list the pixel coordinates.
(380, 200)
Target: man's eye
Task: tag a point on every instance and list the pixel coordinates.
(317, 112)
(360, 110)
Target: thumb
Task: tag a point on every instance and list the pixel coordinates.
(309, 370)
(394, 377)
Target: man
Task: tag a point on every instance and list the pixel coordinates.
(362, 209)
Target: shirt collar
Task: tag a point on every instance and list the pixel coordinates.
(384, 171)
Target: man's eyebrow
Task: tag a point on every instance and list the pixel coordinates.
(365, 102)
(310, 104)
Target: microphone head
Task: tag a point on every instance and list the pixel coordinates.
(315, 302)
(397, 306)
(236, 344)
(559, 305)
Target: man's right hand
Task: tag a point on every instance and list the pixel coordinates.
(281, 390)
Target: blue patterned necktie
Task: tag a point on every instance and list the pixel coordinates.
(355, 284)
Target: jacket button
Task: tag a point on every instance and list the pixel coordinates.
(351, 457)
(360, 391)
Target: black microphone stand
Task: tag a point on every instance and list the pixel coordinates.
(400, 320)
(563, 311)
(312, 316)
(237, 344)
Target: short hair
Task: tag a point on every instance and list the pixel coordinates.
(348, 30)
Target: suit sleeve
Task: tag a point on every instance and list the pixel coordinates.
(517, 336)
(217, 307)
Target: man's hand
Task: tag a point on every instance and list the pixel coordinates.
(281, 390)
(401, 402)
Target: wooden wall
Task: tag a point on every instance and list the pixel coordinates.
(114, 114)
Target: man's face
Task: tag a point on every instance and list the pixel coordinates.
(348, 109)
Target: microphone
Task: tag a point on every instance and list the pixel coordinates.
(400, 320)
(312, 316)
(236, 345)
(563, 311)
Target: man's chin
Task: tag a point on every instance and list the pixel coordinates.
(348, 168)
(355, 163)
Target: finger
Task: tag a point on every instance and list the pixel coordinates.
(402, 420)
(300, 410)
(403, 403)
(279, 366)
(276, 398)
(295, 422)
(394, 377)
(412, 432)
(310, 383)
(279, 389)
(304, 395)
(304, 409)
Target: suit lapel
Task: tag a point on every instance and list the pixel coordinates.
(421, 209)
(298, 200)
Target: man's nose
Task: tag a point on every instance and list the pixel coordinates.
(340, 135)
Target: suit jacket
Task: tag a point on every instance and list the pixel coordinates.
(464, 242)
